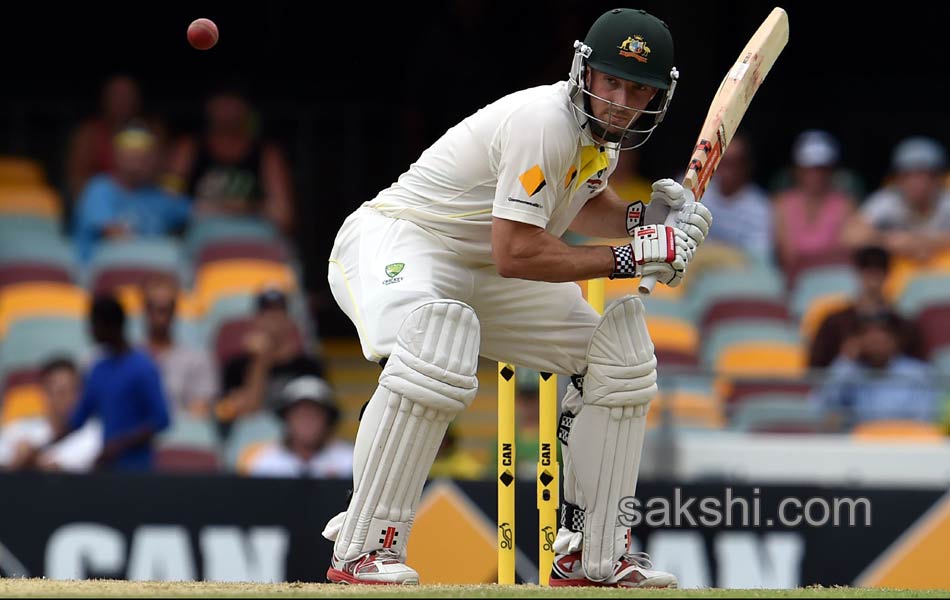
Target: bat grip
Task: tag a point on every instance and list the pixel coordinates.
(648, 281)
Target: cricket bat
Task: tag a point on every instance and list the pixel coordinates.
(728, 107)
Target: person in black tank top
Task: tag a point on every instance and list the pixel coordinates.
(230, 169)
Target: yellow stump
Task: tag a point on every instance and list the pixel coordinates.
(506, 473)
(595, 294)
(548, 478)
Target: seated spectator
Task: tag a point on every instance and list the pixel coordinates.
(810, 217)
(124, 391)
(911, 216)
(879, 382)
(273, 356)
(454, 462)
(91, 149)
(20, 439)
(189, 374)
(231, 169)
(128, 201)
(835, 335)
(739, 206)
(309, 410)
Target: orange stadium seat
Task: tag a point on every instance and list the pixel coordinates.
(21, 170)
(41, 299)
(898, 430)
(780, 359)
(241, 276)
(38, 200)
(673, 334)
(818, 310)
(904, 270)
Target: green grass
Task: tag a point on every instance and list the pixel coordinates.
(25, 588)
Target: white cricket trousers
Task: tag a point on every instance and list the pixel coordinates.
(383, 268)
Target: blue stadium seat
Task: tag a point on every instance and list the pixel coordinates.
(758, 282)
(923, 291)
(29, 342)
(260, 427)
(821, 282)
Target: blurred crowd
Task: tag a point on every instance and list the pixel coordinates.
(159, 321)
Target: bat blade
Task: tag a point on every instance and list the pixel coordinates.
(729, 105)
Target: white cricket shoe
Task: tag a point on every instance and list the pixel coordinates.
(633, 570)
(381, 567)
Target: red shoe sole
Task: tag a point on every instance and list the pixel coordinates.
(342, 577)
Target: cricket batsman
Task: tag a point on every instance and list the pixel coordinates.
(462, 256)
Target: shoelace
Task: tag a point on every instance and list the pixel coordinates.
(634, 560)
(640, 559)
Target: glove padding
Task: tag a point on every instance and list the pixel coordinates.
(656, 250)
(671, 194)
(694, 220)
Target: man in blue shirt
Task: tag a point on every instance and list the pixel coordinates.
(880, 383)
(128, 202)
(123, 389)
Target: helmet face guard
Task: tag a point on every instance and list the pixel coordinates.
(609, 132)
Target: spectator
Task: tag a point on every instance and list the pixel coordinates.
(810, 216)
(124, 390)
(879, 382)
(188, 373)
(310, 415)
(128, 202)
(835, 335)
(273, 356)
(231, 169)
(454, 462)
(21, 439)
(91, 147)
(911, 216)
(739, 206)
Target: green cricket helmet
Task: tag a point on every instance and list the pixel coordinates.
(632, 45)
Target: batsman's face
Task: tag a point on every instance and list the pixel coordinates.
(617, 101)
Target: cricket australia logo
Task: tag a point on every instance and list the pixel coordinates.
(392, 271)
(635, 47)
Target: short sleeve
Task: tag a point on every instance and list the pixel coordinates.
(533, 154)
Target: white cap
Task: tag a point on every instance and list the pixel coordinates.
(919, 154)
(310, 388)
(815, 148)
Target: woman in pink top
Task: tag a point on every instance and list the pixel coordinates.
(810, 216)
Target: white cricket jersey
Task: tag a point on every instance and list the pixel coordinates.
(522, 158)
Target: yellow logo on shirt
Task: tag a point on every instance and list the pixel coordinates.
(532, 180)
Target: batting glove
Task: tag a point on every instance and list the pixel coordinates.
(655, 250)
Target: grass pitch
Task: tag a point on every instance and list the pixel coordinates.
(26, 588)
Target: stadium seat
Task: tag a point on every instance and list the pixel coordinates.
(754, 283)
(898, 430)
(904, 271)
(229, 249)
(16, 228)
(21, 171)
(838, 258)
(818, 310)
(175, 459)
(39, 245)
(670, 333)
(22, 396)
(128, 262)
(934, 325)
(741, 309)
(191, 432)
(205, 230)
(832, 280)
(761, 358)
(227, 308)
(750, 389)
(41, 299)
(240, 276)
(926, 289)
(37, 200)
(14, 273)
(30, 342)
(776, 414)
(251, 429)
(730, 333)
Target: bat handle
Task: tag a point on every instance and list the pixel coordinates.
(648, 281)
